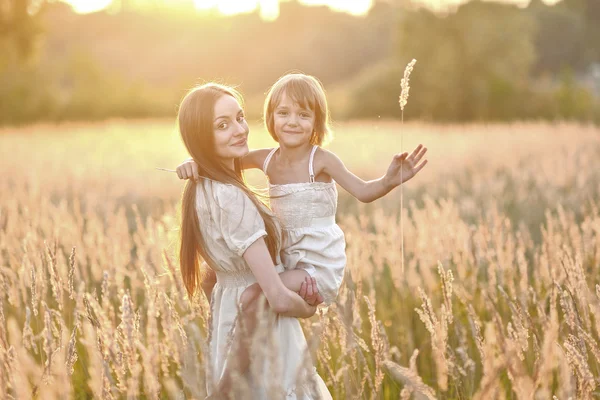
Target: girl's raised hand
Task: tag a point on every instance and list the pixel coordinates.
(403, 166)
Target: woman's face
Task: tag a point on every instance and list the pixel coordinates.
(230, 129)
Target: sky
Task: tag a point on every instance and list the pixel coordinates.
(269, 9)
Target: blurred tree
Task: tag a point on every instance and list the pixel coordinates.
(471, 64)
(564, 38)
(20, 26)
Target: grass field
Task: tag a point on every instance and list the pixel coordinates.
(499, 297)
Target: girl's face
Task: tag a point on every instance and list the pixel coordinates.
(230, 129)
(293, 124)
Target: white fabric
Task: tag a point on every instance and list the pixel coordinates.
(268, 160)
(311, 170)
(311, 240)
(230, 223)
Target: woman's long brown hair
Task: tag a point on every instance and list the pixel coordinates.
(196, 115)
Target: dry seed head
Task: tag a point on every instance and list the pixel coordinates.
(405, 84)
(71, 274)
(72, 352)
(34, 299)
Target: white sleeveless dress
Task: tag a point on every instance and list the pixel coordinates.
(311, 238)
(230, 223)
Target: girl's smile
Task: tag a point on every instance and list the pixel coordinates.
(293, 123)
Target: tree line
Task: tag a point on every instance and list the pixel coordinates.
(485, 61)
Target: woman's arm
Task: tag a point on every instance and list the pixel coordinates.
(281, 299)
(402, 168)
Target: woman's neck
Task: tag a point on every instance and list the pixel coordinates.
(229, 163)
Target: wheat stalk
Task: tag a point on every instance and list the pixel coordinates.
(402, 101)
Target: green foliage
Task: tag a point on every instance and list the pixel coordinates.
(467, 66)
(487, 61)
(469, 69)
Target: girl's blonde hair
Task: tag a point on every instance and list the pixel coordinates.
(307, 91)
(195, 119)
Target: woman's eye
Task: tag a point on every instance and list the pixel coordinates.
(240, 118)
(222, 126)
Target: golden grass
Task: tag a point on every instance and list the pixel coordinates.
(500, 297)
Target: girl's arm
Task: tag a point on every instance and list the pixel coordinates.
(402, 168)
(281, 299)
(188, 169)
(255, 159)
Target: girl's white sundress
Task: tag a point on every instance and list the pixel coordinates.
(311, 238)
(230, 223)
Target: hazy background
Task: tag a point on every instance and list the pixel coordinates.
(477, 60)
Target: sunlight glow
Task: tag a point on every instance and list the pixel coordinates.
(269, 9)
(88, 6)
(446, 5)
(355, 7)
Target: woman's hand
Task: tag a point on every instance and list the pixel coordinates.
(310, 292)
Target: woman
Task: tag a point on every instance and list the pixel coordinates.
(226, 225)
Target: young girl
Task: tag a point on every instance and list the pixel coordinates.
(302, 186)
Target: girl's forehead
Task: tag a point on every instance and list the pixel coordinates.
(294, 99)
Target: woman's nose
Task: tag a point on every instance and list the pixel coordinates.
(242, 128)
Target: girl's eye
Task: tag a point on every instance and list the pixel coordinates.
(222, 126)
(240, 118)
(282, 113)
(305, 115)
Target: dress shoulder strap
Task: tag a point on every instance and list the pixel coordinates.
(311, 170)
(268, 160)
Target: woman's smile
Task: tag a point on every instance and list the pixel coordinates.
(241, 142)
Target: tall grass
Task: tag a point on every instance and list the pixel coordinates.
(500, 296)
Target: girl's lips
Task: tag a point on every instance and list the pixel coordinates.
(240, 142)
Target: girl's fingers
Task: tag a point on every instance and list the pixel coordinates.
(302, 291)
(189, 170)
(309, 288)
(420, 155)
(400, 157)
(420, 166)
(416, 151)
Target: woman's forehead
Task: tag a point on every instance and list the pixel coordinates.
(226, 105)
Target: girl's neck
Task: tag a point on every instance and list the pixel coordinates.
(293, 155)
